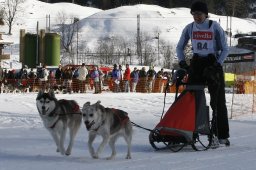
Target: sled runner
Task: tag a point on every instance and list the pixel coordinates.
(187, 122)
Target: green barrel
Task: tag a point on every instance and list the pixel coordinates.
(30, 50)
(52, 49)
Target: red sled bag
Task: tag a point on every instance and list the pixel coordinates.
(185, 122)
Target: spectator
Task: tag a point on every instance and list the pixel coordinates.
(134, 79)
(141, 86)
(67, 76)
(95, 75)
(23, 74)
(75, 81)
(150, 78)
(59, 74)
(31, 74)
(31, 79)
(126, 78)
(101, 79)
(1, 74)
(11, 74)
(160, 73)
(142, 73)
(121, 78)
(52, 80)
(5, 74)
(116, 77)
(44, 77)
(82, 73)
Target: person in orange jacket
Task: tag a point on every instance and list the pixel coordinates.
(126, 79)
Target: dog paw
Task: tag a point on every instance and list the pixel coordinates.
(62, 152)
(68, 152)
(110, 158)
(128, 157)
(95, 156)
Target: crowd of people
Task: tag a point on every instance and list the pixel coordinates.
(78, 79)
(137, 80)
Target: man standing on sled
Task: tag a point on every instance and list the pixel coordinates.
(210, 49)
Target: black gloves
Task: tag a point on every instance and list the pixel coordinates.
(183, 65)
(179, 75)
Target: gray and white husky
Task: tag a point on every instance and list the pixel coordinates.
(58, 116)
(110, 124)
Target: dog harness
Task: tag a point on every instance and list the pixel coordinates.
(62, 103)
(119, 116)
(54, 124)
(120, 119)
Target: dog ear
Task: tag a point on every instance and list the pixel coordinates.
(87, 104)
(98, 104)
(40, 93)
(51, 93)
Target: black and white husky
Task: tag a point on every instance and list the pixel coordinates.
(110, 124)
(58, 116)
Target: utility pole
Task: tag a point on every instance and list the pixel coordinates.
(158, 55)
(129, 55)
(138, 39)
(158, 49)
(49, 23)
(227, 24)
(77, 43)
(46, 22)
(76, 20)
(37, 43)
(230, 33)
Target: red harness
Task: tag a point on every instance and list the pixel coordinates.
(122, 117)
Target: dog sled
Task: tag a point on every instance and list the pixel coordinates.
(187, 121)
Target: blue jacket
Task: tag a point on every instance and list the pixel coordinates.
(95, 75)
(116, 74)
(134, 76)
(220, 45)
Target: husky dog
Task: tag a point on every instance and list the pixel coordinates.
(110, 124)
(57, 116)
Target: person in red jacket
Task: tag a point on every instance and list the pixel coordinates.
(126, 79)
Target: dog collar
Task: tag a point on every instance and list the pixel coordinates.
(102, 123)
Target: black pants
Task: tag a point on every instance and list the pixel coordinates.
(203, 71)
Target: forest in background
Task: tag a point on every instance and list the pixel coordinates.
(236, 8)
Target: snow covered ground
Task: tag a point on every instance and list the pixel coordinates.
(26, 144)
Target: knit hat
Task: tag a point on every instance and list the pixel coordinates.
(199, 6)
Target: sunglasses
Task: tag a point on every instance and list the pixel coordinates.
(197, 13)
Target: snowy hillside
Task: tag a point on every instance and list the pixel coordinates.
(34, 11)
